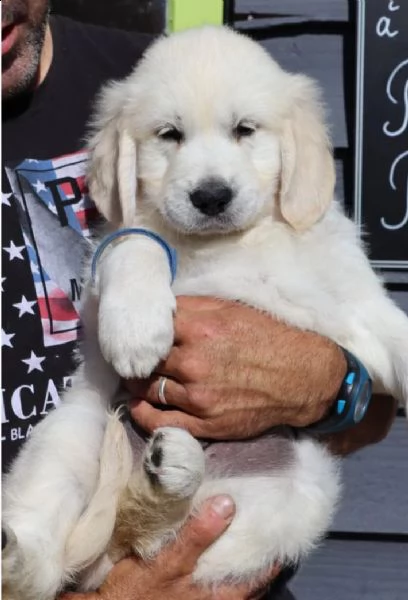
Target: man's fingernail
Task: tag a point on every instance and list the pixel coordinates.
(224, 506)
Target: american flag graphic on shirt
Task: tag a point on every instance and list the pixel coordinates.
(53, 204)
(45, 232)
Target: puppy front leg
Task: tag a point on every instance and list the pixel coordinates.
(379, 338)
(136, 306)
(395, 336)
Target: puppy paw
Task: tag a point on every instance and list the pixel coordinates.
(174, 461)
(135, 335)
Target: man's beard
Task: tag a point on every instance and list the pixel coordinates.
(28, 50)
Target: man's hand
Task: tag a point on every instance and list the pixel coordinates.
(234, 372)
(169, 576)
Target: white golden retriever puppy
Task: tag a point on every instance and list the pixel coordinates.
(210, 144)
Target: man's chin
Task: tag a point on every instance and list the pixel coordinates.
(19, 75)
(20, 65)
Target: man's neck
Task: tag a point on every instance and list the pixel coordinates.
(46, 56)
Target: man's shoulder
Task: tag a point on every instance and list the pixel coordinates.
(118, 50)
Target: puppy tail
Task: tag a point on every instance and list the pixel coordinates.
(91, 535)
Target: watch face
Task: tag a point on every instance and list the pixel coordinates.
(362, 402)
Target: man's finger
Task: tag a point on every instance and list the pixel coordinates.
(174, 393)
(197, 535)
(172, 365)
(150, 418)
(170, 393)
(258, 588)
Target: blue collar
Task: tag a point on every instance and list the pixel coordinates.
(170, 252)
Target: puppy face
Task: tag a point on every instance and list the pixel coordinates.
(208, 150)
(209, 170)
(209, 123)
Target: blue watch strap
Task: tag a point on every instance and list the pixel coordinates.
(170, 252)
(352, 399)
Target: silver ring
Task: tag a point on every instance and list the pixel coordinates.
(162, 387)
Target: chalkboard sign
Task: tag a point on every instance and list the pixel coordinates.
(381, 182)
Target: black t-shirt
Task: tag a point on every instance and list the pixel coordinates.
(46, 217)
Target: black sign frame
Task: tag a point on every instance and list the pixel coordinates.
(381, 139)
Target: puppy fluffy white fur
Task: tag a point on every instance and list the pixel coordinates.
(213, 146)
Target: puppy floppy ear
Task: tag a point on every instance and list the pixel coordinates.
(308, 174)
(111, 173)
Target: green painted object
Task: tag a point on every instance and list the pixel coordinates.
(183, 14)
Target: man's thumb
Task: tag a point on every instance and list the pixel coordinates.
(200, 531)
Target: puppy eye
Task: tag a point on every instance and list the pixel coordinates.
(170, 134)
(244, 130)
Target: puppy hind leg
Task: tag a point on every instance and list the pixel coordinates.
(159, 496)
(280, 515)
(91, 535)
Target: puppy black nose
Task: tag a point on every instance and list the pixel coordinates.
(211, 197)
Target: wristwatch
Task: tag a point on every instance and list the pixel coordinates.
(351, 402)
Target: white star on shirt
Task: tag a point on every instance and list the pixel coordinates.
(39, 186)
(34, 362)
(5, 199)
(25, 306)
(5, 339)
(3, 279)
(14, 251)
(32, 160)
